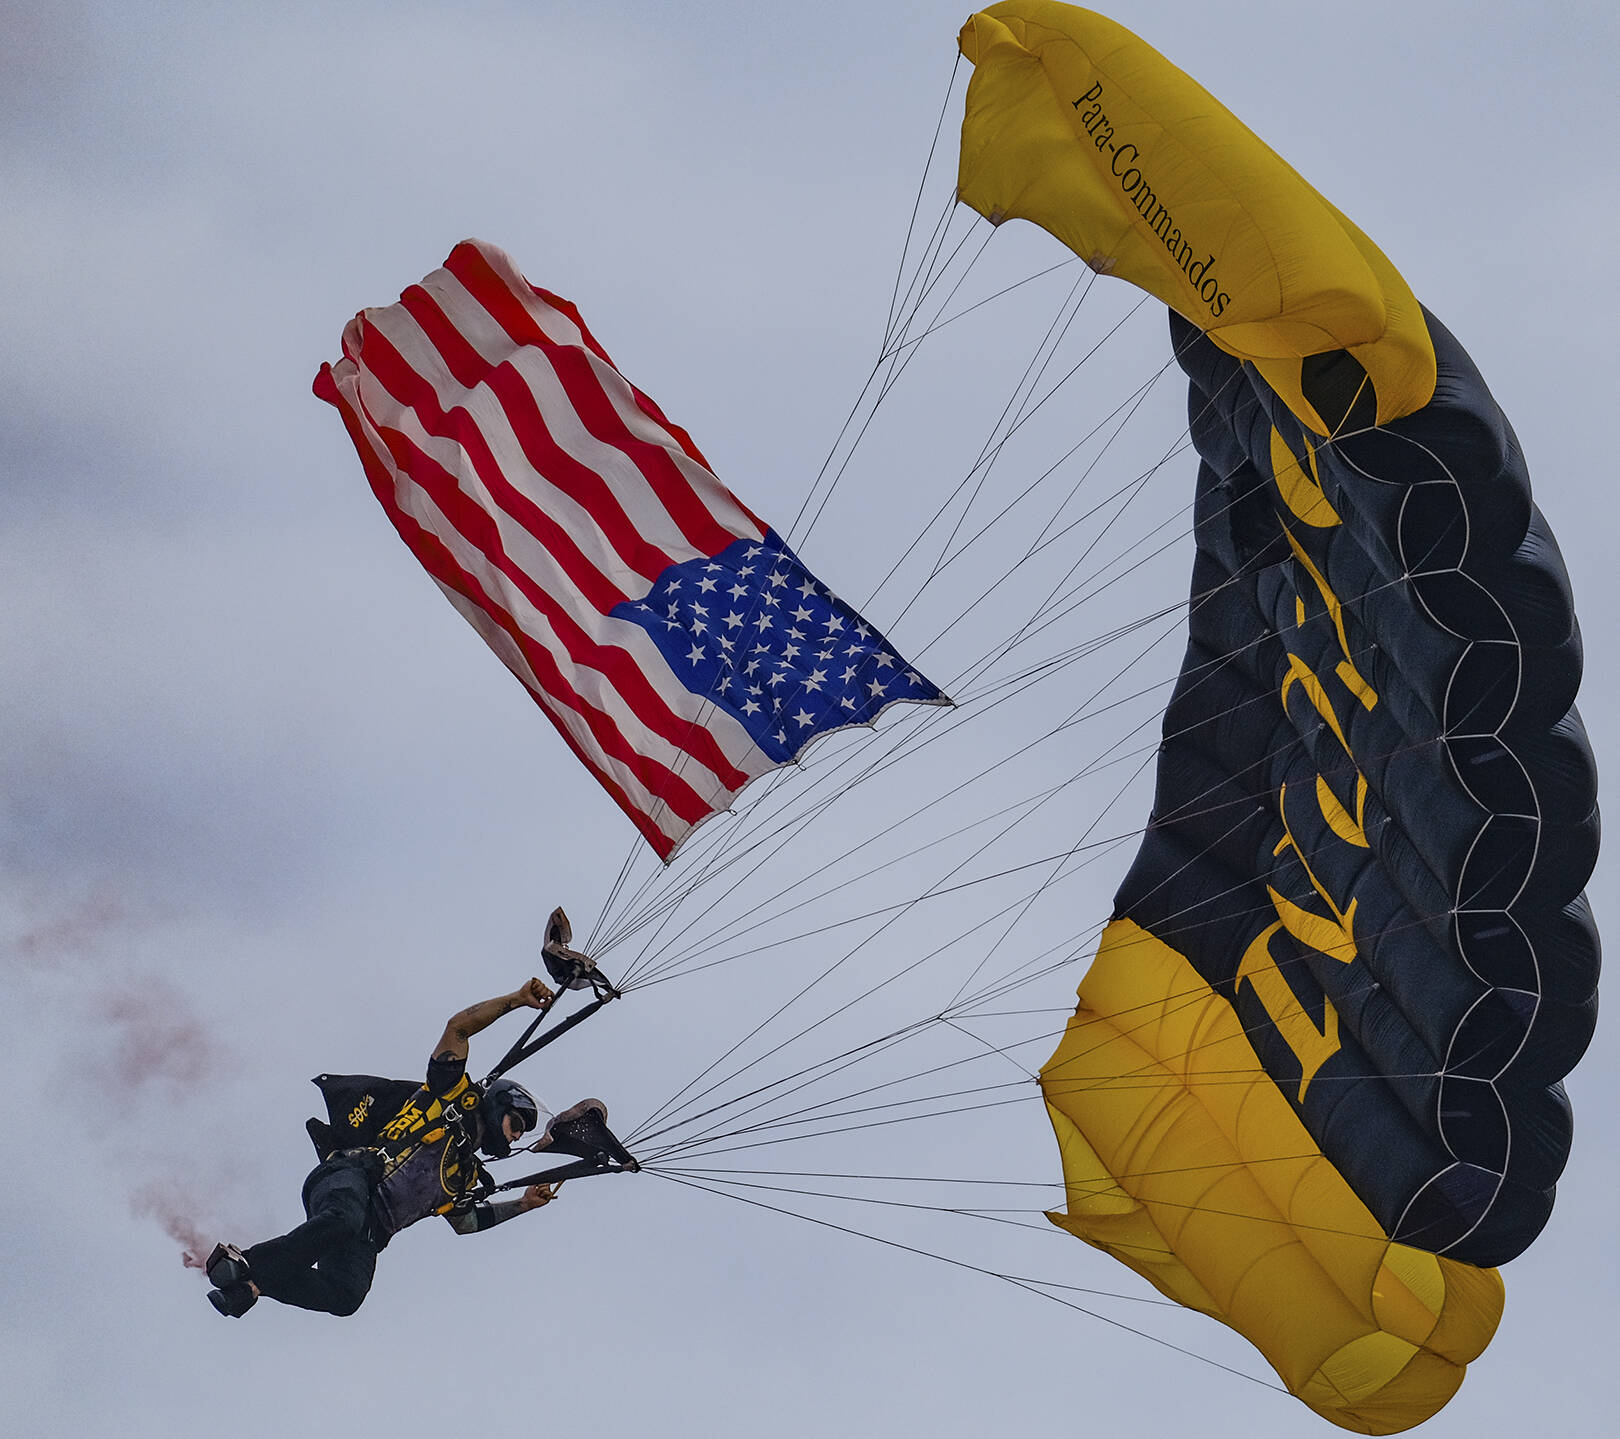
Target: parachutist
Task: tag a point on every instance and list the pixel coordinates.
(396, 1151)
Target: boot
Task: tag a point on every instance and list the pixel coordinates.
(226, 1265)
(234, 1300)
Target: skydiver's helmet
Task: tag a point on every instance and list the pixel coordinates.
(504, 1097)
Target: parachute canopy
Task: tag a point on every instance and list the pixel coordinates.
(1312, 1085)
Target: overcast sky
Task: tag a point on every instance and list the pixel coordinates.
(268, 807)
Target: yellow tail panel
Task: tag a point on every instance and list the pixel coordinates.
(1182, 1159)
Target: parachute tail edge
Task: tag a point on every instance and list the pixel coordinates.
(1372, 1335)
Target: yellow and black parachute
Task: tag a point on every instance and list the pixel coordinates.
(1312, 1085)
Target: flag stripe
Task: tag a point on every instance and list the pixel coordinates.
(644, 402)
(510, 586)
(559, 451)
(611, 409)
(495, 446)
(685, 489)
(658, 784)
(553, 540)
(498, 285)
(657, 821)
(471, 325)
(533, 560)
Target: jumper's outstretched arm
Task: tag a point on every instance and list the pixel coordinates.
(535, 994)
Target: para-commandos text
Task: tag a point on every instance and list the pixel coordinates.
(1200, 273)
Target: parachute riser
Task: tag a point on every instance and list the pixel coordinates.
(525, 1047)
(576, 1169)
(581, 1130)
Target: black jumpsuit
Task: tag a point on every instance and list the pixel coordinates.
(327, 1263)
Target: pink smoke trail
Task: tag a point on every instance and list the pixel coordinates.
(157, 1037)
(174, 1211)
(76, 931)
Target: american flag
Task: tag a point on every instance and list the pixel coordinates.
(678, 645)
